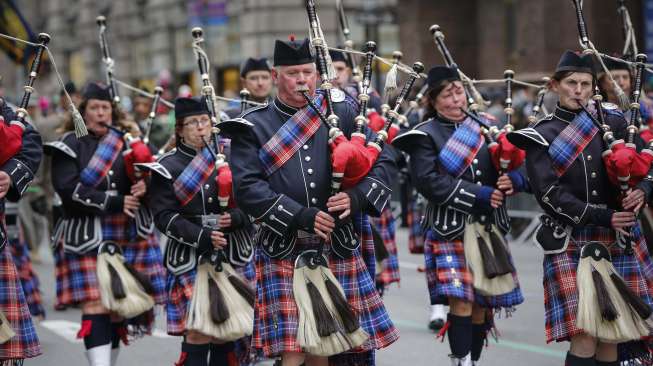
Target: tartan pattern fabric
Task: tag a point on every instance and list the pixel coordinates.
(386, 226)
(76, 278)
(145, 256)
(560, 288)
(415, 231)
(248, 271)
(461, 148)
(105, 154)
(571, 141)
(190, 180)
(28, 278)
(362, 227)
(290, 137)
(447, 275)
(276, 317)
(25, 344)
(180, 292)
(118, 227)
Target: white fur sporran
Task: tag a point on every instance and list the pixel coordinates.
(499, 285)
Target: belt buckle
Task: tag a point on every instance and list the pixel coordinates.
(210, 221)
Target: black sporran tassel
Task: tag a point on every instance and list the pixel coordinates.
(142, 279)
(349, 318)
(489, 262)
(243, 289)
(116, 284)
(323, 319)
(608, 311)
(642, 308)
(501, 254)
(219, 311)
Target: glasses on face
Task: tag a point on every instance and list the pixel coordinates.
(197, 122)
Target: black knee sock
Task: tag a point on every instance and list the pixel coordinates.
(195, 354)
(607, 363)
(220, 354)
(573, 360)
(116, 334)
(479, 333)
(100, 333)
(459, 334)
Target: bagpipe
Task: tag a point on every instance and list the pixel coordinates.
(11, 134)
(222, 304)
(538, 106)
(137, 151)
(349, 44)
(505, 156)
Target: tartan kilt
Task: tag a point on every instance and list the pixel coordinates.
(276, 317)
(248, 272)
(28, 278)
(447, 275)
(560, 289)
(76, 273)
(180, 291)
(25, 344)
(386, 226)
(145, 256)
(415, 230)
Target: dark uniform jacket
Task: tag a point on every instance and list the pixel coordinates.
(452, 200)
(21, 167)
(288, 200)
(189, 235)
(583, 195)
(86, 221)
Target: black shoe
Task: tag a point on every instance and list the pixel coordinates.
(436, 325)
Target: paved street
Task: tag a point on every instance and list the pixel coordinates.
(521, 343)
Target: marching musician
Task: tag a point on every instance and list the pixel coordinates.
(256, 78)
(451, 167)
(282, 179)
(571, 184)
(185, 215)
(100, 204)
(16, 173)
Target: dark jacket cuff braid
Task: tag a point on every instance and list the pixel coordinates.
(305, 220)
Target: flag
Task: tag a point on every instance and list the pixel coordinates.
(13, 23)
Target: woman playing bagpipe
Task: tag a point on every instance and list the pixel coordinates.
(468, 263)
(192, 208)
(282, 176)
(596, 276)
(109, 263)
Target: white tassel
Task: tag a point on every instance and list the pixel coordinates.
(137, 300)
(78, 121)
(6, 333)
(391, 80)
(490, 287)
(626, 327)
(241, 314)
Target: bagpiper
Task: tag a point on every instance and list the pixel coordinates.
(185, 198)
(102, 209)
(256, 81)
(596, 266)
(468, 263)
(281, 171)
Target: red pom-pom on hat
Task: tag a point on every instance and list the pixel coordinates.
(291, 37)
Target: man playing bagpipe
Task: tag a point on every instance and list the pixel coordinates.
(110, 262)
(596, 277)
(282, 178)
(19, 161)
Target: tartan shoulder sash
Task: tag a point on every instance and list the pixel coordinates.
(290, 137)
(103, 158)
(570, 142)
(461, 148)
(191, 179)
